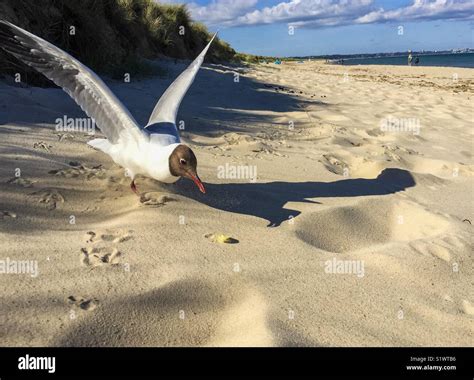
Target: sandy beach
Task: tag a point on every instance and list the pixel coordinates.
(347, 191)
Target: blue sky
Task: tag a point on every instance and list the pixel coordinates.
(337, 26)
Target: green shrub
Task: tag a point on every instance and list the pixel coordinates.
(111, 36)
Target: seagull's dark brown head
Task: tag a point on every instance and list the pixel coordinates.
(183, 163)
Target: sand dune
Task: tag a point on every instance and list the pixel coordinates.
(369, 223)
(335, 184)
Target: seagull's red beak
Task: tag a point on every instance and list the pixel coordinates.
(198, 183)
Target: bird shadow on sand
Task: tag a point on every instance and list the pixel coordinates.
(268, 200)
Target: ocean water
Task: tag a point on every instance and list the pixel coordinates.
(449, 60)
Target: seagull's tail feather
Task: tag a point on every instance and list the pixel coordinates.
(102, 144)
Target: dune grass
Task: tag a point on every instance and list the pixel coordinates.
(112, 36)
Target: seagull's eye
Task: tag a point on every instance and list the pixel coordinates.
(182, 161)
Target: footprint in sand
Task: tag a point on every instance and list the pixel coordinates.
(354, 166)
(266, 148)
(51, 197)
(233, 138)
(335, 164)
(20, 181)
(7, 215)
(77, 169)
(376, 132)
(102, 249)
(93, 257)
(42, 145)
(155, 199)
(87, 304)
(117, 236)
(64, 136)
(392, 152)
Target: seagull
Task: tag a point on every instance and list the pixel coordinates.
(153, 151)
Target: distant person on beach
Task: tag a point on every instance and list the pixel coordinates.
(417, 61)
(410, 58)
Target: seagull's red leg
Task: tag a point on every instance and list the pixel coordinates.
(133, 187)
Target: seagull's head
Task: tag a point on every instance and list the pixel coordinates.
(183, 163)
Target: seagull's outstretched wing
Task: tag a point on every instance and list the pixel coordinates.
(166, 109)
(81, 83)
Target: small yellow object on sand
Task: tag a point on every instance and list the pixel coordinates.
(221, 238)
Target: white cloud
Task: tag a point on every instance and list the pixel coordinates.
(221, 12)
(424, 10)
(322, 13)
(299, 12)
